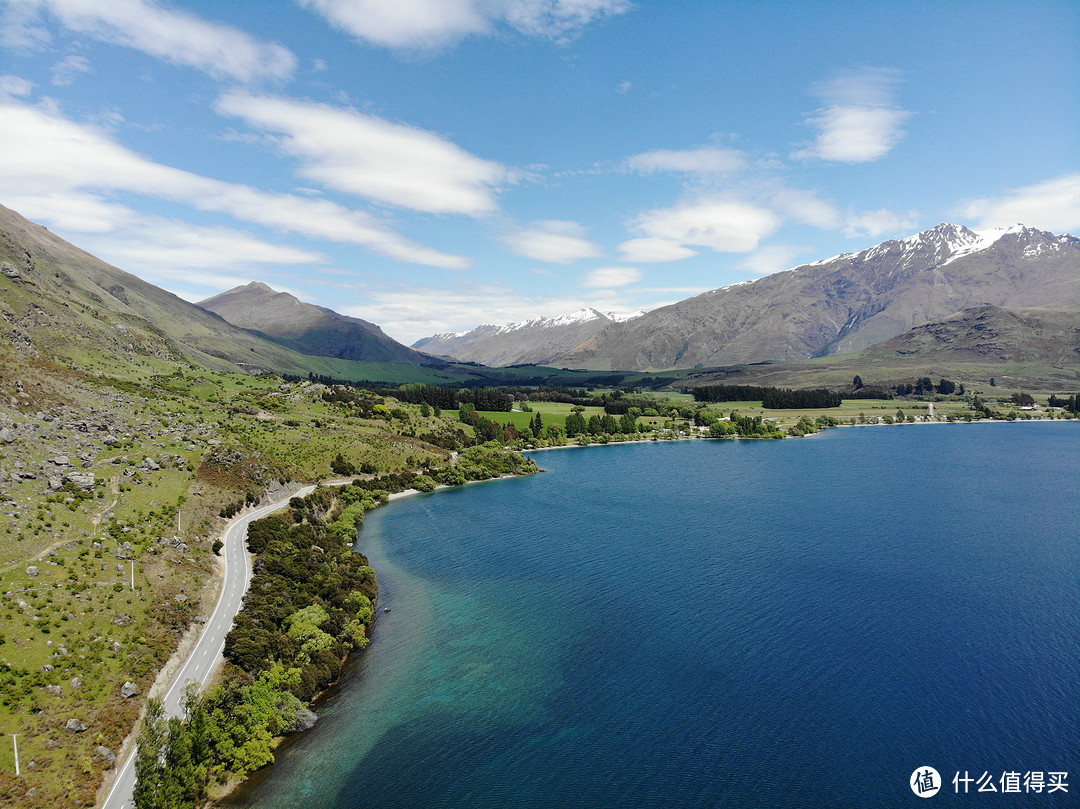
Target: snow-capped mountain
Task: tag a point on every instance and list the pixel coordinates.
(846, 302)
(528, 341)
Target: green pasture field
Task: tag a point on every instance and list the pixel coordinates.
(550, 413)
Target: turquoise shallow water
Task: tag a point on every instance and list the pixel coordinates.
(795, 623)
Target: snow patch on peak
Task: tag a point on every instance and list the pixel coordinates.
(983, 239)
(580, 316)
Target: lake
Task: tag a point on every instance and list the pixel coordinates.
(797, 623)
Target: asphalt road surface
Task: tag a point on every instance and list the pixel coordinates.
(206, 656)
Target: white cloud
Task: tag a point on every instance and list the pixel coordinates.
(860, 122)
(877, 223)
(44, 155)
(653, 251)
(623, 87)
(728, 226)
(69, 69)
(1052, 205)
(166, 252)
(175, 36)
(773, 258)
(374, 158)
(707, 160)
(554, 240)
(426, 24)
(611, 277)
(15, 86)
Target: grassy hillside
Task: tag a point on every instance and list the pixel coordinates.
(107, 477)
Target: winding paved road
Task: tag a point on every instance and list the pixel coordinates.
(207, 654)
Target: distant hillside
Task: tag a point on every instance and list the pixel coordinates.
(310, 329)
(991, 334)
(58, 302)
(845, 303)
(532, 341)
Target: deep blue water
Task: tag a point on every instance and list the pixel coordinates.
(794, 623)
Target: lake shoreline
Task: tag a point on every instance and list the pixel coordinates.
(236, 784)
(729, 594)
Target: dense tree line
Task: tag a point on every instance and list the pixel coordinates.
(870, 392)
(608, 424)
(926, 387)
(727, 393)
(786, 399)
(1070, 403)
(772, 398)
(481, 398)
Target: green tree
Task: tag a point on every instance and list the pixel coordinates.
(149, 778)
(575, 424)
(721, 429)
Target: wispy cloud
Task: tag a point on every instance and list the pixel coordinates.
(372, 157)
(654, 251)
(174, 36)
(1051, 205)
(880, 222)
(430, 24)
(45, 156)
(707, 160)
(15, 87)
(860, 121)
(611, 277)
(68, 69)
(725, 225)
(805, 207)
(409, 312)
(554, 240)
(773, 258)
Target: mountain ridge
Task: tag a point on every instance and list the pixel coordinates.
(534, 341)
(845, 303)
(310, 329)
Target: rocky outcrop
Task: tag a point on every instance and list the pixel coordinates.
(305, 720)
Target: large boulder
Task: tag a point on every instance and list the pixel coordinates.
(129, 690)
(76, 725)
(106, 755)
(81, 480)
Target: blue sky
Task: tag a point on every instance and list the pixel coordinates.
(430, 165)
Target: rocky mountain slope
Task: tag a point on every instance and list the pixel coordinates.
(991, 334)
(532, 341)
(846, 303)
(310, 329)
(63, 301)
